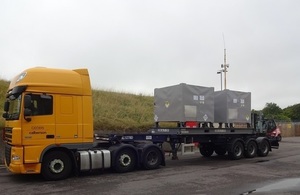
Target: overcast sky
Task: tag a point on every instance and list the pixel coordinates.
(135, 46)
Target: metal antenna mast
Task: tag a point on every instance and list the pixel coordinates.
(225, 66)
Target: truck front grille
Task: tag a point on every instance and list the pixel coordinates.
(8, 135)
(7, 154)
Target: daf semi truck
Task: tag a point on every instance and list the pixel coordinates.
(49, 130)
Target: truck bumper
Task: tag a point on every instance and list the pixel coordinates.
(14, 161)
(24, 168)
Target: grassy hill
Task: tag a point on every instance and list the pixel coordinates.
(113, 112)
(122, 112)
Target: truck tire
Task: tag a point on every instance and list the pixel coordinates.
(264, 148)
(152, 158)
(251, 149)
(206, 150)
(237, 150)
(221, 151)
(56, 165)
(125, 161)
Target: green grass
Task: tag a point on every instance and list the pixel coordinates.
(122, 112)
(113, 112)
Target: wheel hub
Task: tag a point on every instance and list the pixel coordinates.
(251, 150)
(56, 166)
(125, 160)
(238, 151)
(152, 158)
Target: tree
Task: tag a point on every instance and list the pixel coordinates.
(271, 110)
(293, 112)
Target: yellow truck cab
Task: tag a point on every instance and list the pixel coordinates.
(49, 126)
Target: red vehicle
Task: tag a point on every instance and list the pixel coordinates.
(272, 130)
(276, 133)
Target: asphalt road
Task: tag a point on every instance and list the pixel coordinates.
(278, 173)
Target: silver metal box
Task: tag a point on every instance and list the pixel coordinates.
(94, 159)
(184, 102)
(106, 159)
(232, 106)
(84, 160)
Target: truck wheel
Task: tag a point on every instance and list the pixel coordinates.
(237, 151)
(206, 150)
(264, 148)
(152, 158)
(125, 161)
(251, 149)
(219, 150)
(56, 165)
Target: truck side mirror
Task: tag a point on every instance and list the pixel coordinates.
(5, 115)
(27, 105)
(27, 101)
(27, 112)
(6, 106)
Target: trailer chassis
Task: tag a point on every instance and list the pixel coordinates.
(237, 142)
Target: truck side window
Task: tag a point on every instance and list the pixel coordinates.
(41, 105)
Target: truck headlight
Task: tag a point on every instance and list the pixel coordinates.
(15, 158)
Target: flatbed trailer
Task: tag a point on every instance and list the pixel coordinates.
(237, 142)
(49, 130)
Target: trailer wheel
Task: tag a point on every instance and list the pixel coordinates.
(125, 161)
(251, 149)
(237, 151)
(152, 158)
(264, 148)
(206, 150)
(219, 150)
(56, 165)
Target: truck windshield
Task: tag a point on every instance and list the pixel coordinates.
(14, 107)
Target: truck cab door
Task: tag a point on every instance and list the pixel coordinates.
(38, 125)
